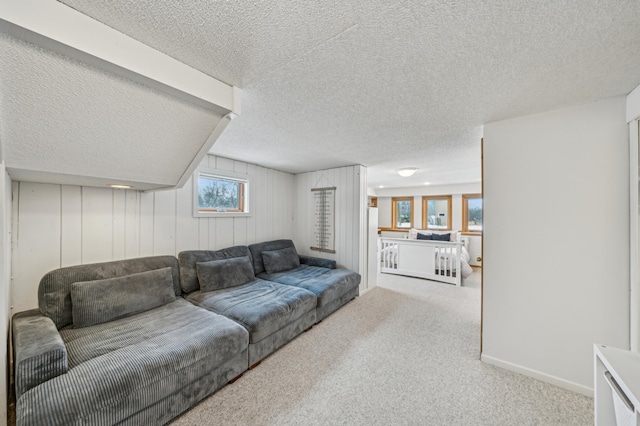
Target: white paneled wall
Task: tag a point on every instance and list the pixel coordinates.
(59, 225)
(350, 209)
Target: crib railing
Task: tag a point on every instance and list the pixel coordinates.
(429, 259)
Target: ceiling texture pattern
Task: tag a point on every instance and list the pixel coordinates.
(62, 116)
(386, 84)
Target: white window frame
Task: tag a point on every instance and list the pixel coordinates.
(223, 175)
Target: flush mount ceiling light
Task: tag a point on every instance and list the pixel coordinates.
(119, 186)
(407, 171)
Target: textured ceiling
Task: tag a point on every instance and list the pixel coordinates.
(62, 120)
(387, 84)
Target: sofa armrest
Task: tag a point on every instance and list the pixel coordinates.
(39, 352)
(317, 261)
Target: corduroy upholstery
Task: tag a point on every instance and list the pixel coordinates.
(280, 260)
(333, 287)
(327, 284)
(164, 354)
(54, 292)
(145, 368)
(188, 260)
(39, 352)
(317, 261)
(223, 273)
(110, 380)
(263, 308)
(99, 301)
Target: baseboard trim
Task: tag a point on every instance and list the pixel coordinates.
(544, 377)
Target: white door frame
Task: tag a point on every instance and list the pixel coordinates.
(633, 119)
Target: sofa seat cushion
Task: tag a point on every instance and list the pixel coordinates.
(327, 284)
(262, 307)
(174, 323)
(123, 367)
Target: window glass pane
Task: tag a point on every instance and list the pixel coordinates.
(474, 214)
(403, 214)
(218, 194)
(438, 214)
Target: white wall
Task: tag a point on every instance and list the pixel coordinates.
(556, 280)
(350, 211)
(60, 225)
(5, 286)
(384, 212)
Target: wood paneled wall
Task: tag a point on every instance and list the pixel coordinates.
(350, 214)
(59, 225)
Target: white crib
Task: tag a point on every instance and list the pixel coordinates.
(430, 259)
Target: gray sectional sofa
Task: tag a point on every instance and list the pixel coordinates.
(140, 341)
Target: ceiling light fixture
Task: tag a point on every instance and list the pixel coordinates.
(427, 183)
(407, 171)
(119, 186)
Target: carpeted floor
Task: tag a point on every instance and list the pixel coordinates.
(404, 353)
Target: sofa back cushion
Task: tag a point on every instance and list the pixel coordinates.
(280, 260)
(189, 259)
(99, 301)
(257, 249)
(54, 291)
(224, 273)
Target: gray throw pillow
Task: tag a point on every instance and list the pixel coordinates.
(280, 260)
(223, 273)
(100, 301)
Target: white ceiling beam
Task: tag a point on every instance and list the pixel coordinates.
(57, 27)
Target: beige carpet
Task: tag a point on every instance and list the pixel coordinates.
(405, 353)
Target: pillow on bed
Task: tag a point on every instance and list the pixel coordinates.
(441, 237)
(421, 236)
(224, 273)
(280, 260)
(100, 301)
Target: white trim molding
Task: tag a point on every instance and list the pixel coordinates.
(544, 377)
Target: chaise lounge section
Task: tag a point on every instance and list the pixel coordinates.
(112, 343)
(278, 261)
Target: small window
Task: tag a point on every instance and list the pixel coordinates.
(472, 213)
(436, 212)
(402, 212)
(220, 194)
